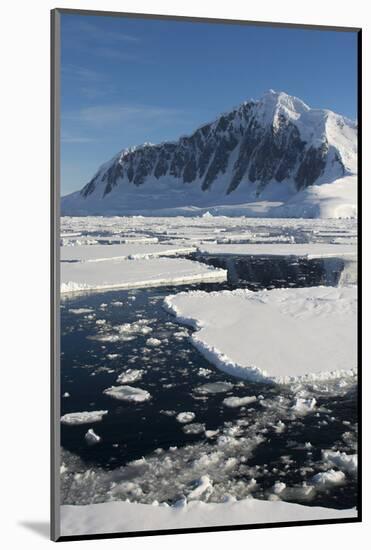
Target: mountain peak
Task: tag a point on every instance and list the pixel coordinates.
(276, 144)
(272, 104)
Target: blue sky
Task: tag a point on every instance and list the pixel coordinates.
(128, 81)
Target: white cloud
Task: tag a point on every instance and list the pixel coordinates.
(105, 115)
(89, 31)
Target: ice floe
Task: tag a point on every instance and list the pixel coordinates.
(101, 253)
(345, 462)
(277, 335)
(331, 477)
(130, 375)
(185, 417)
(239, 401)
(91, 437)
(76, 418)
(111, 274)
(128, 393)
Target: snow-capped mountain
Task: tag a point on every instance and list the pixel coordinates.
(270, 152)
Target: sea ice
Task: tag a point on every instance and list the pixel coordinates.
(239, 401)
(101, 253)
(302, 250)
(153, 342)
(91, 437)
(128, 393)
(331, 477)
(196, 428)
(274, 335)
(130, 375)
(343, 461)
(76, 418)
(185, 417)
(88, 276)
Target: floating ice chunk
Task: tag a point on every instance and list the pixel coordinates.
(153, 342)
(204, 485)
(211, 433)
(117, 304)
(128, 393)
(279, 487)
(91, 437)
(130, 375)
(343, 461)
(185, 417)
(100, 322)
(279, 427)
(167, 412)
(195, 428)
(214, 387)
(66, 394)
(112, 355)
(76, 418)
(204, 372)
(331, 477)
(234, 402)
(304, 406)
(80, 310)
(124, 332)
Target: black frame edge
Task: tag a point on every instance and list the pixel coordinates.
(54, 278)
(199, 19)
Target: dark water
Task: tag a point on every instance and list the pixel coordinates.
(173, 373)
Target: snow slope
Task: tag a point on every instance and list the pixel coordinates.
(112, 517)
(277, 335)
(260, 158)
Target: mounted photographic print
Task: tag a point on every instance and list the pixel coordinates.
(205, 189)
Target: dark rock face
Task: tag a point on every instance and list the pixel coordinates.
(240, 144)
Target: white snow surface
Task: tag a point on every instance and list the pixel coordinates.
(111, 517)
(277, 335)
(89, 276)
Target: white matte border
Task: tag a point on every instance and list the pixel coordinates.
(25, 297)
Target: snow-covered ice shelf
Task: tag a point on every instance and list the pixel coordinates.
(98, 253)
(276, 335)
(89, 276)
(111, 517)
